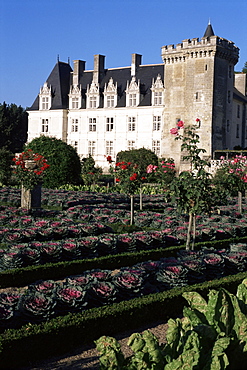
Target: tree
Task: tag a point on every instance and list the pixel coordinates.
(13, 127)
(141, 157)
(232, 176)
(90, 172)
(245, 68)
(193, 191)
(5, 165)
(65, 165)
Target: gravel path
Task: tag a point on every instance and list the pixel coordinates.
(87, 357)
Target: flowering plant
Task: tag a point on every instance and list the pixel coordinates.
(192, 190)
(232, 174)
(128, 176)
(164, 173)
(29, 168)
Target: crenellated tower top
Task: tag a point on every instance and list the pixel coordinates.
(209, 45)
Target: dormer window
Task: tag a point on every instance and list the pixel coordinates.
(45, 97)
(133, 93)
(93, 95)
(75, 103)
(158, 97)
(45, 102)
(132, 100)
(110, 94)
(157, 92)
(93, 101)
(75, 97)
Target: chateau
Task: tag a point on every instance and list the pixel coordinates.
(103, 111)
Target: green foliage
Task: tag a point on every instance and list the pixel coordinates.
(163, 173)
(5, 165)
(13, 127)
(29, 168)
(90, 173)
(212, 335)
(65, 166)
(193, 190)
(142, 157)
(128, 176)
(111, 353)
(48, 338)
(232, 175)
(244, 70)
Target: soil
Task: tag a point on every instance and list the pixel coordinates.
(87, 357)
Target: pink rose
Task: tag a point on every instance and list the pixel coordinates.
(174, 131)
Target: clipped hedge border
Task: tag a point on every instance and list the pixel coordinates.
(55, 271)
(59, 335)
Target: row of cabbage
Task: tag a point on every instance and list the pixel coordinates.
(38, 252)
(46, 299)
(66, 198)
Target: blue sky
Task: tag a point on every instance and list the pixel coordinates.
(34, 32)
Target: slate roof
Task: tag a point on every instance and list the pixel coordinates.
(239, 96)
(60, 80)
(209, 31)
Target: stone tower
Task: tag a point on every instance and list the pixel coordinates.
(199, 82)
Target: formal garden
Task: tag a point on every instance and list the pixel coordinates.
(80, 262)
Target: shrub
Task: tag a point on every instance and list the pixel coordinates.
(90, 173)
(5, 165)
(65, 165)
(142, 157)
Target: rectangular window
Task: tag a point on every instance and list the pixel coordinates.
(92, 124)
(156, 147)
(44, 127)
(109, 148)
(238, 111)
(158, 98)
(92, 101)
(109, 123)
(230, 71)
(227, 126)
(92, 128)
(229, 96)
(132, 100)
(74, 126)
(76, 145)
(132, 124)
(45, 102)
(237, 131)
(156, 123)
(131, 144)
(91, 147)
(75, 103)
(110, 101)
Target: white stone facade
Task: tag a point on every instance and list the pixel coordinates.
(104, 111)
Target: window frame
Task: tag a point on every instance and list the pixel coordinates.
(109, 147)
(91, 147)
(131, 123)
(156, 123)
(45, 125)
(156, 147)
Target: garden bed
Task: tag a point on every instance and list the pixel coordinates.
(141, 273)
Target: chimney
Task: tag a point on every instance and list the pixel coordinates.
(240, 82)
(135, 62)
(79, 67)
(99, 68)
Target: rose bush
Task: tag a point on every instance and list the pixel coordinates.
(29, 168)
